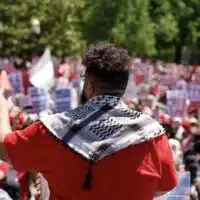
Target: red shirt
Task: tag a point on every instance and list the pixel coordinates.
(134, 173)
(4, 168)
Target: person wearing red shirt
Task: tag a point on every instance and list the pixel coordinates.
(100, 150)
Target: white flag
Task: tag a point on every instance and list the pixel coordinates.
(42, 73)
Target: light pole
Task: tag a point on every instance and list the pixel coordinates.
(36, 30)
(36, 26)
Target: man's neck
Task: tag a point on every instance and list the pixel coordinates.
(110, 93)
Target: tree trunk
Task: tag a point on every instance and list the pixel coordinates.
(178, 52)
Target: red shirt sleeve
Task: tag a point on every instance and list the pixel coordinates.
(4, 167)
(27, 149)
(168, 172)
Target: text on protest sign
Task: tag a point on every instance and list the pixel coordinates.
(38, 99)
(194, 93)
(63, 98)
(177, 103)
(16, 80)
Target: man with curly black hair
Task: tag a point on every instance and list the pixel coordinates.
(101, 149)
(107, 71)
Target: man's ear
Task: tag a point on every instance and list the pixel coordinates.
(91, 89)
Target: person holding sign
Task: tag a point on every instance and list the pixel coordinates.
(101, 149)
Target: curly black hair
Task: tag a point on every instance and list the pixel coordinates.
(108, 64)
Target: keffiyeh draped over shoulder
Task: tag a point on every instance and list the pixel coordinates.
(101, 127)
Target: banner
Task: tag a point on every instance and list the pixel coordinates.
(16, 80)
(177, 103)
(38, 99)
(42, 73)
(63, 98)
(181, 191)
(194, 93)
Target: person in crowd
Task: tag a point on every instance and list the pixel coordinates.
(178, 128)
(4, 169)
(100, 150)
(194, 136)
(32, 184)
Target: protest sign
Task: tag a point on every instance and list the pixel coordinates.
(142, 91)
(16, 80)
(63, 99)
(177, 103)
(181, 191)
(38, 99)
(42, 73)
(194, 93)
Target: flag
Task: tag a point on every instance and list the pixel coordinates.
(63, 99)
(41, 75)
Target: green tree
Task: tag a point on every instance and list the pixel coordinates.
(99, 18)
(187, 15)
(124, 22)
(134, 28)
(166, 27)
(59, 26)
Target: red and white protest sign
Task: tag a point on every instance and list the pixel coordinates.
(177, 103)
(194, 93)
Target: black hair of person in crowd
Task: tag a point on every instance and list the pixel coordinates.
(169, 130)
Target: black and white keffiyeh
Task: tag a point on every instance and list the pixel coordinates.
(101, 127)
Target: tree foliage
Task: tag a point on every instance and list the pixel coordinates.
(59, 21)
(145, 27)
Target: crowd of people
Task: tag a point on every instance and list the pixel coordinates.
(147, 90)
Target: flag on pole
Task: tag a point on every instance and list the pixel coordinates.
(42, 73)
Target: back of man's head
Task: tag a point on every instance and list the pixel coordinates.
(108, 66)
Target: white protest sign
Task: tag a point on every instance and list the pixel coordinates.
(16, 80)
(194, 93)
(63, 98)
(42, 73)
(177, 103)
(38, 99)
